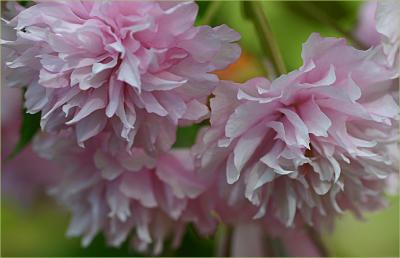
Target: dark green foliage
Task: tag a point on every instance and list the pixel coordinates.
(194, 245)
(29, 127)
(334, 9)
(24, 2)
(202, 8)
(186, 136)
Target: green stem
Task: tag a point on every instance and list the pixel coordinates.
(314, 11)
(254, 12)
(211, 11)
(225, 241)
(274, 247)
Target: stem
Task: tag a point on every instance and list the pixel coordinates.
(274, 247)
(317, 241)
(314, 11)
(211, 11)
(225, 241)
(254, 12)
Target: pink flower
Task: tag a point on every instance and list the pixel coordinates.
(140, 68)
(294, 242)
(111, 191)
(11, 77)
(313, 142)
(378, 24)
(366, 28)
(25, 177)
(387, 23)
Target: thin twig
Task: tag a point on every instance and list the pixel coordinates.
(225, 241)
(254, 12)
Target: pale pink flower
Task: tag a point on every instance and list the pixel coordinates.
(248, 241)
(138, 67)
(366, 27)
(388, 24)
(384, 20)
(118, 193)
(251, 240)
(313, 142)
(379, 23)
(25, 177)
(12, 76)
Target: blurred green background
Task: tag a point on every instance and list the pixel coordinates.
(39, 230)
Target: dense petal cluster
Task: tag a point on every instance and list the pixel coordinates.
(137, 67)
(117, 193)
(119, 78)
(312, 142)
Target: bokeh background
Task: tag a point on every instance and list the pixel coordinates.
(37, 227)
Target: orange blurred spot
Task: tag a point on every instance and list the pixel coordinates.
(243, 69)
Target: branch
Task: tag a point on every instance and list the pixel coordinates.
(254, 12)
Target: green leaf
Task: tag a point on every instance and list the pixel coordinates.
(30, 125)
(23, 2)
(186, 136)
(193, 245)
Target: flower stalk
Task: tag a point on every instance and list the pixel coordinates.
(224, 247)
(254, 11)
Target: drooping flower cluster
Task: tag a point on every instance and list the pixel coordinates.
(312, 142)
(141, 68)
(148, 200)
(113, 81)
(111, 191)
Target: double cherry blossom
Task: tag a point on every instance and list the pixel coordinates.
(312, 141)
(114, 80)
(140, 68)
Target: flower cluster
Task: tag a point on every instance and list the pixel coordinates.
(25, 177)
(141, 69)
(114, 80)
(312, 141)
(111, 191)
